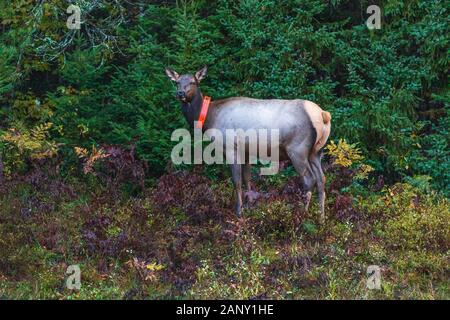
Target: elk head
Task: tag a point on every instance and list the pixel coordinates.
(187, 84)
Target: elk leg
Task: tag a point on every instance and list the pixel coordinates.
(308, 184)
(236, 173)
(320, 180)
(246, 176)
(308, 200)
(299, 159)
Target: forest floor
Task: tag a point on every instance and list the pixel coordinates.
(180, 239)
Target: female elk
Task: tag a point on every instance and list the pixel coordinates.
(302, 125)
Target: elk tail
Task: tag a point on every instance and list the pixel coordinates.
(326, 129)
(326, 116)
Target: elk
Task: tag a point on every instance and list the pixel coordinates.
(303, 130)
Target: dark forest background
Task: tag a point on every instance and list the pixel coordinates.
(85, 123)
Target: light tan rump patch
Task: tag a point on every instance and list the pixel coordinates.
(321, 121)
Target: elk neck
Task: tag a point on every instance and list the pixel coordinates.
(191, 110)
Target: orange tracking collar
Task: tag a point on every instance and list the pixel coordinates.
(203, 112)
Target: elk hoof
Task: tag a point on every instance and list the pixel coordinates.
(238, 211)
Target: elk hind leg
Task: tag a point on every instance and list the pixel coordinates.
(320, 180)
(299, 159)
(236, 174)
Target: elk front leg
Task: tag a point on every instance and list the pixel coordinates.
(236, 173)
(246, 176)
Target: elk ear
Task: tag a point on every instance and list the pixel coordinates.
(201, 74)
(172, 74)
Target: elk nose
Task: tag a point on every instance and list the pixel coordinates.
(181, 94)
